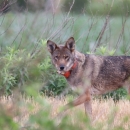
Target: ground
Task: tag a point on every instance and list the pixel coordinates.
(106, 113)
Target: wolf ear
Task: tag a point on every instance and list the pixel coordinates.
(51, 46)
(70, 44)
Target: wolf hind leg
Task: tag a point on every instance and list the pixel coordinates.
(127, 87)
(88, 108)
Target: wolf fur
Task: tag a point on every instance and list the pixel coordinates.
(93, 75)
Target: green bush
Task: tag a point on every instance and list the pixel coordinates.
(116, 95)
(119, 7)
(19, 67)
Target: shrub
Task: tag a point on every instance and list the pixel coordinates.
(19, 67)
(116, 95)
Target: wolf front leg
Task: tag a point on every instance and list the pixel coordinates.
(84, 98)
(81, 99)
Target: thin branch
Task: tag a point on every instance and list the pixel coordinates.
(64, 23)
(102, 31)
(4, 5)
(2, 20)
(23, 30)
(99, 38)
(70, 8)
(101, 34)
(18, 34)
(8, 26)
(121, 34)
(88, 34)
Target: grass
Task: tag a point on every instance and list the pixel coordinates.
(106, 114)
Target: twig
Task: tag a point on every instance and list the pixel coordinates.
(99, 38)
(8, 27)
(18, 34)
(64, 23)
(4, 5)
(121, 34)
(70, 8)
(88, 34)
(22, 30)
(2, 20)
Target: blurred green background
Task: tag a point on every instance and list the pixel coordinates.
(95, 7)
(99, 27)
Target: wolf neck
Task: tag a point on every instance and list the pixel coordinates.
(68, 73)
(79, 61)
(80, 57)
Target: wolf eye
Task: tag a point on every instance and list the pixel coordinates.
(66, 57)
(56, 57)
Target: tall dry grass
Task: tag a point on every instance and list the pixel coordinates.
(105, 112)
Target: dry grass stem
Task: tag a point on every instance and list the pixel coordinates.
(104, 111)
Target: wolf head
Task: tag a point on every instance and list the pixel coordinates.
(63, 55)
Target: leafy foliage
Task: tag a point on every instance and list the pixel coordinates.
(116, 95)
(103, 50)
(19, 67)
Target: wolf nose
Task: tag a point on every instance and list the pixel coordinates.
(62, 67)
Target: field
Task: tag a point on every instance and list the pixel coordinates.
(26, 69)
(30, 114)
